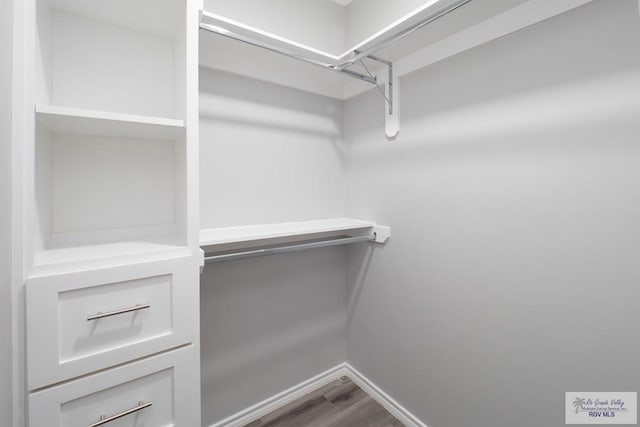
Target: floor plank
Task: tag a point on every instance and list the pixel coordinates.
(345, 394)
(299, 413)
(340, 403)
(364, 412)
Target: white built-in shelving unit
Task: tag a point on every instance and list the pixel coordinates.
(109, 179)
(110, 153)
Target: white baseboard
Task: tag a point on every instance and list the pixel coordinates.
(285, 397)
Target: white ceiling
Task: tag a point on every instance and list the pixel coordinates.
(343, 2)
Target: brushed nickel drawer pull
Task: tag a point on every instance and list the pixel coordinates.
(101, 315)
(104, 420)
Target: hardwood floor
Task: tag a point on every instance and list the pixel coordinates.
(338, 404)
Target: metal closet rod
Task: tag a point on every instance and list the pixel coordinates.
(289, 248)
(355, 56)
(239, 37)
(359, 54)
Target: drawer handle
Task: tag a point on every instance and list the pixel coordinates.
(101, 315)
(104, 420)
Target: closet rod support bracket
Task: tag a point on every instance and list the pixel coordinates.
(381, 234)
(391, 90)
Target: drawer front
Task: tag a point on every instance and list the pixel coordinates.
(83, 322)
(99, 318)
(157, 392)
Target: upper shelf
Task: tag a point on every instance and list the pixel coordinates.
(101, 123)
(287, 231)
(428, 12)
(476, 23)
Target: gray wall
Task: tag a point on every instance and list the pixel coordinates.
(512, 274)
(268, 324)
(6, 39)
(268, 154)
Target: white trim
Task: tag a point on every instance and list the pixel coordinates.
(22, 128)
(285, 397)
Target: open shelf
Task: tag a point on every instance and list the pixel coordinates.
(111, 55)
(155, 17)
(106, 184)
(110, 150)
(102, 123)
(252, 235)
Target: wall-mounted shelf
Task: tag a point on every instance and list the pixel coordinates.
(106, 200)
(224, 242)
(477, 23)
(102, 123)
(346, 62)
(258, 232)
(342, 64)
(293, 230)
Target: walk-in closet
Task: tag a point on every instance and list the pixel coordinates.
(319, 213)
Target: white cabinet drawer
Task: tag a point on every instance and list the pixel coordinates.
(155, 392)
(82, 322)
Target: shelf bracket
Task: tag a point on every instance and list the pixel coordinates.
(381, 233)
(340, 64)
(391, 89)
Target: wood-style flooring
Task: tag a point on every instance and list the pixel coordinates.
(338, 404)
